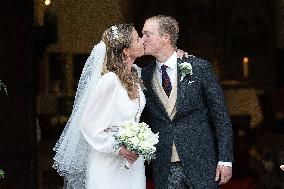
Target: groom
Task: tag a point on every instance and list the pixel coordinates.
(185, 104)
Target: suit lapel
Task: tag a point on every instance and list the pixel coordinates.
(152, 95)
(181, 89)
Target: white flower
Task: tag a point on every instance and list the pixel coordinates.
(137, 137)
(134, 141)
(186, 69)
(114, 30)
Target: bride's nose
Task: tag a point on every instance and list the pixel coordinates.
(143, 38)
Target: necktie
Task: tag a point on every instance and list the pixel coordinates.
(166, 82)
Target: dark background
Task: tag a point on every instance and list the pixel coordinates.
(225, 29)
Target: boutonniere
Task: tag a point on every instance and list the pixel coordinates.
(185, 69)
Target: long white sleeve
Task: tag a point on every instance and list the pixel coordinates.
(138, 69)
(98, 114)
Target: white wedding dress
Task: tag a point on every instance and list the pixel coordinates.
(107, 106)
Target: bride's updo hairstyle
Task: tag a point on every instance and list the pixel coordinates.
(117, 38)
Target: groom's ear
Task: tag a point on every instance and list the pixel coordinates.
(167, 38)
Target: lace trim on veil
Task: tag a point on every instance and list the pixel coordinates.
(72, 150)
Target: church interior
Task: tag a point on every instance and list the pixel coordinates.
(45, 43)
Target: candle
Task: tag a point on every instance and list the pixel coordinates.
(245, 67)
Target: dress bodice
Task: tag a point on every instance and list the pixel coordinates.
(109, 105)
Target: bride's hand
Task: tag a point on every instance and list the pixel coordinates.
(128, 155)
(181, 54)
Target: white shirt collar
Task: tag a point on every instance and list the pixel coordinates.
(171, 62)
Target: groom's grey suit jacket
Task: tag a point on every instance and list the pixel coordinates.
(201, 128)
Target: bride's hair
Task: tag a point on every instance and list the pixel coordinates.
(117, 38)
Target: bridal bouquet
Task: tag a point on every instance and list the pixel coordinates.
(138, 138)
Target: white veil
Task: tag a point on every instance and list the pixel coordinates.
(72, 149)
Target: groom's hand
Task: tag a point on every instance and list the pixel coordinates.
(128, 155)
(223, 174)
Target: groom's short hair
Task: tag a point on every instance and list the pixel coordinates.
(167, 25)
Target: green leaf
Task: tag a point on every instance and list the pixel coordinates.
(1, 174)
(2, 85)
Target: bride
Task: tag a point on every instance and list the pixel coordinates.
(109, 92)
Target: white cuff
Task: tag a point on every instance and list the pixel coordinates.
(229, 164)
